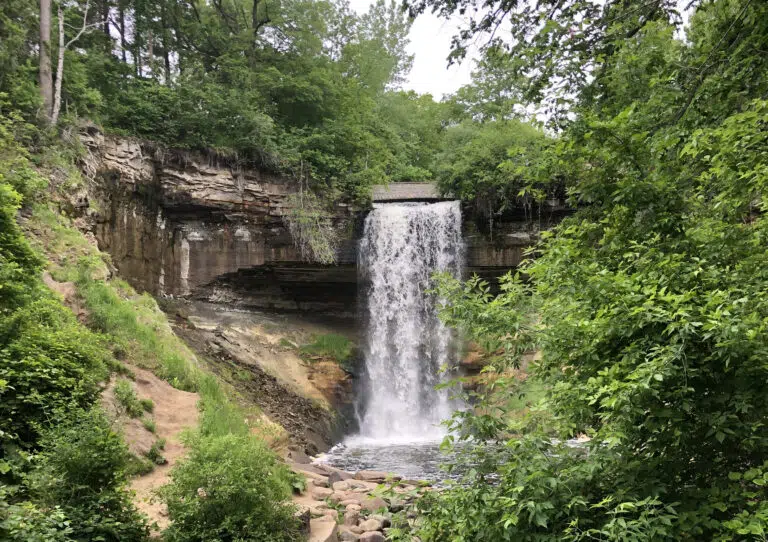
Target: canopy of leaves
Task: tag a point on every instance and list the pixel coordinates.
(649, 304)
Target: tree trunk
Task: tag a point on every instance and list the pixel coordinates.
(59, 70)
(121, 17)
(46, 77)
(166, 45)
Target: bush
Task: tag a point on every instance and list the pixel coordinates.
(47, 362)
(231, 487)
(126, 397)
(155, 452)
(81, 467)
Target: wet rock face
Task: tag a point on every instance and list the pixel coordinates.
(184, 224)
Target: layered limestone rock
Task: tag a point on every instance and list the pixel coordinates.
(186, 224)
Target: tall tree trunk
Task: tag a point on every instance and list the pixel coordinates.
(166, 45)
(121, 17)
(46, 77)
(59, 70)
(105, 23)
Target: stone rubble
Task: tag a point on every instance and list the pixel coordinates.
(346, 507)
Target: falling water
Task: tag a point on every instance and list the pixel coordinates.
(407, 345)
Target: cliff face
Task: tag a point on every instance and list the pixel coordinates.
(187, 225)
(180, 224)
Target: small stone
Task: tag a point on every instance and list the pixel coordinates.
(348, 536)
(318, 482)
(342, 485)
(372, 536)
(371, 525)
(356, 529)
(353, 507)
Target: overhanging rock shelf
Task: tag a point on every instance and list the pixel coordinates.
(193, 225)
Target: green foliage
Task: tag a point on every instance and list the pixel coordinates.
(648, 305)
(149, 424)
(126, 397)
(488, 164)
(136, 325)
(330, 345)
(311, 228)
(155, 455)
(147, 404)
(138, 466)
(230, 488)
(81, 465)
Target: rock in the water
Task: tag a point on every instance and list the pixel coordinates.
(372, 536)
(321, 493)
(375, 476)
(371, 525)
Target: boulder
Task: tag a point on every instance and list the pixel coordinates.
(351, 518)
(323, 530)
(385, 520)
(348, 536)
(338, 476)
(321, 493)
(376, 476)
(296, 455)
(373, 504)
(372, 536)
(303, 515)
(371, 524)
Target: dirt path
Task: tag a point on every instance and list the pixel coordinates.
(174, 411)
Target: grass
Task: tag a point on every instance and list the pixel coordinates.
(155, 454)
(139, 333)
(138, 466)
(329, 345)
(149, 424)
(126, 397)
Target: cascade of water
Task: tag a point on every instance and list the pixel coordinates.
(407, 345)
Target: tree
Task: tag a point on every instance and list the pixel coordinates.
(63, 46)
(46, 76)
(648, 305)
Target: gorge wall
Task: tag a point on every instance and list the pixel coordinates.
(184, 224)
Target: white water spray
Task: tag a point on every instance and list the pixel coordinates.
(407, 345)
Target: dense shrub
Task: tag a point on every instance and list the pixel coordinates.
(232, 487)
(81, 468)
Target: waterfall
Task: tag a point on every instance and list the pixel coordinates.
(407, 345)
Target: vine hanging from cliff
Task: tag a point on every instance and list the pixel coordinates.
(311, 227)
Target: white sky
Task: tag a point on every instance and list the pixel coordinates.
(430, 44)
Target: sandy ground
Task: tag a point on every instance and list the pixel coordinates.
(174, 411)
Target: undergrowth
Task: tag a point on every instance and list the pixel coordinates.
(330, 345)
